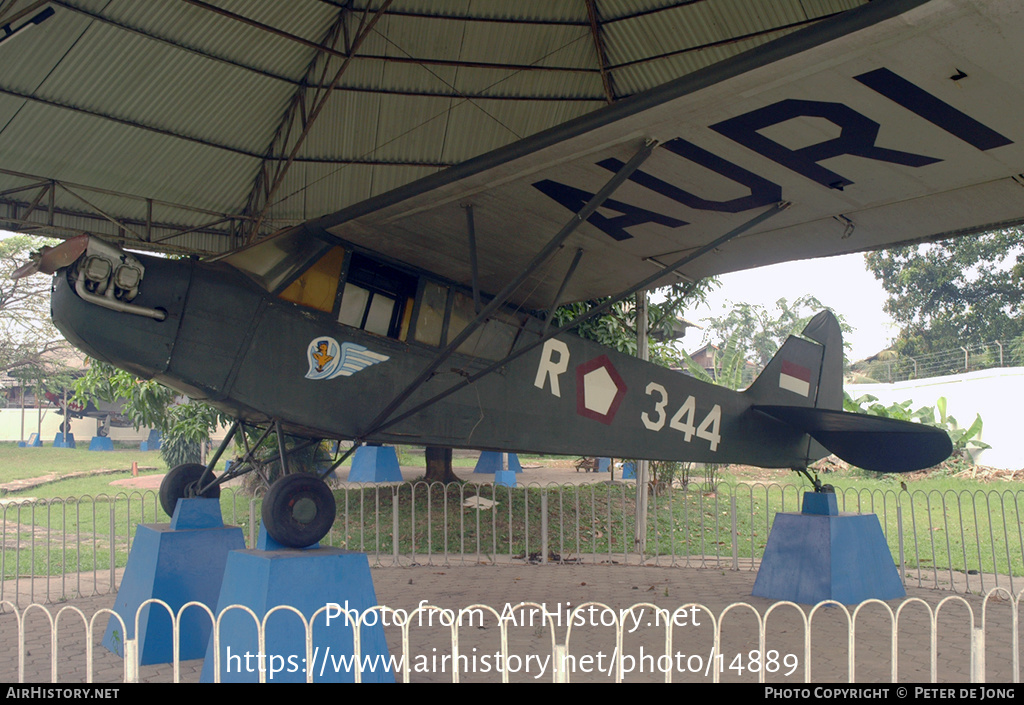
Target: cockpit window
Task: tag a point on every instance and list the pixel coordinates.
(276, 260)
(377, 298)
(317, 287)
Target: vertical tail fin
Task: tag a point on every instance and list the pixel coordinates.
(805, 373)
(803, 387)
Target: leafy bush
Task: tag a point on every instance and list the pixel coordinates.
(965, 440)
(178, 449)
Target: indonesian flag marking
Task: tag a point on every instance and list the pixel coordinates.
(795, 378)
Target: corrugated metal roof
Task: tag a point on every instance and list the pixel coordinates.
(166, 116)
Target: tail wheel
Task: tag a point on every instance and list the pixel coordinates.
(298, 510)
(180, 483)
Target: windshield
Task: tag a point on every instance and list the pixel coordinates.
(274, 261)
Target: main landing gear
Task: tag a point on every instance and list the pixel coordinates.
(298, 509)
(818, 485)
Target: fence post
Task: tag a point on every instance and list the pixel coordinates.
(559, 669)
(899, 539)
(252, 522)
(113, 546)
(131, 660)
(735, 534)
(977, 655)
(544, 525)
(394, 525)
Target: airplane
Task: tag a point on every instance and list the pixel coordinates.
(422, 315)
(106, 413)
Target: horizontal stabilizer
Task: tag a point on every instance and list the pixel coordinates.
(869, 442)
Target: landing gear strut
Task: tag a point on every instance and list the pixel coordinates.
(298, 509)
(818, 486)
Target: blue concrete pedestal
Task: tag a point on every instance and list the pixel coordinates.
(178, 563)
(32, 442)
(152, 442)
(490, 463)
(101, 443)
(375, 464)
(308, 580)
(505, 478)
(820, 555)
(59, 441)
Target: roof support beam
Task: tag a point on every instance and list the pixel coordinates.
(298, 108)
(207, 55)
(106, 215)
(602, 57)
(391, 59)
(209, 143)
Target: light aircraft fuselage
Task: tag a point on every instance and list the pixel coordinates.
(259, 356)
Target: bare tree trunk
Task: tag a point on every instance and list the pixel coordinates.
(439, 465)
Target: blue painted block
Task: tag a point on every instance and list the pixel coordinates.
(177, 563)
(813, 557)
(309, 581)
(101, 443)
(604, 465)
(505, 478)
(629, 471)
(197, 513)
(820, 503)
(265, 542)
(375, 464)
(152, 442)
(490, 463)
(59, 441)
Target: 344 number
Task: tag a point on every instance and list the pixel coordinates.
(683, 419)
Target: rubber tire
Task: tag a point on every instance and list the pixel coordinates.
(176, 483)
(294, 495)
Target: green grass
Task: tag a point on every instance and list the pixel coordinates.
(22, 463)
(80, 523)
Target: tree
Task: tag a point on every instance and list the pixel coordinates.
(149, 403)
(439, 465)
(616, 328)
(30, 346)
(756, 333)
(955, 292)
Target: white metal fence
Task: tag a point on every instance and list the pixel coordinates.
(959, 541)
(954, 640)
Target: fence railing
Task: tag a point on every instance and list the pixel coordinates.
(954, 640)
(959, 541)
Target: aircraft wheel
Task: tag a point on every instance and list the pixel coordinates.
(298, 510)
(177, 484)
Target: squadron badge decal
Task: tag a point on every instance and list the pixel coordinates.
(328, 359)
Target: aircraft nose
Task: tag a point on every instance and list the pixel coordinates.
(110, 277)
(126, 318)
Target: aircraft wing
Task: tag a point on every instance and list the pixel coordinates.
(892, 123)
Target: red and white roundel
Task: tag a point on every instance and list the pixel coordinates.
(599, 390)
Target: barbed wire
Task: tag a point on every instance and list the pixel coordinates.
(969, 358)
